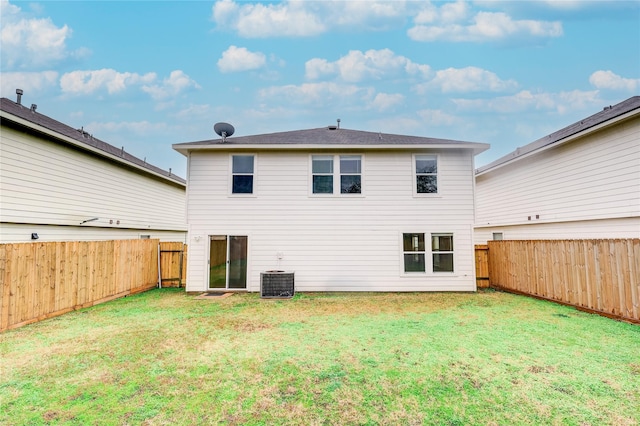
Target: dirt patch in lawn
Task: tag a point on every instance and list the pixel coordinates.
(213, 296)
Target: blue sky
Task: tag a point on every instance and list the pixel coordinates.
(148, 74)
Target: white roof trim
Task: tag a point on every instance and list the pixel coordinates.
(185, 148)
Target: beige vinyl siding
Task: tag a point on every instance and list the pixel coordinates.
(43, 182)
(594, 177)
(343, 243)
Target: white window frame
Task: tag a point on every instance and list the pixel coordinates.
(428, 254)
(422, 253)
(452, 252)
(337, 175)
(414, 176)
(332, 174)
(254, 174)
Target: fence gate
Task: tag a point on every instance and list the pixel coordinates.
(172, 264)
(482, 266)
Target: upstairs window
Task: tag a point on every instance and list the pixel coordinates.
(336, 174)
(350, 174)
(242, 174)
(322, 169)
(426, 169)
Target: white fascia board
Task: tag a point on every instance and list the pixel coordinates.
(82, 146)
(186, 148)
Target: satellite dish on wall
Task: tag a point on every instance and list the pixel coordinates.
(224, 130)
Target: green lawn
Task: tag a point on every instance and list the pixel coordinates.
(164, 357)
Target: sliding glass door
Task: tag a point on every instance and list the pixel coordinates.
(227, 262)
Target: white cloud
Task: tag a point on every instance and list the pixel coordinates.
(176, 83)
(448, 13)
(370, 15)
(113, 82)
(358, 66)
(306, 18)
(566, 4)
(612, 81)
(191, 111)
(225, 11)
(398, 125)
(465, 80)
(315, 93)
(434, 117)
(8, 10)
(349, 97)
(28, 42)
(386, 101)
(450, 23)
(526, 101)
(316, 68)
(32, 83)
(267, 20)
(236, 59)
(88, 82)
(136, 127)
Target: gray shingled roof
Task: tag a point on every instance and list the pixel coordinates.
(608, 113)
(327, 136)
(82, 137)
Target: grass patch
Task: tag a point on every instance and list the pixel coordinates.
(164, 357)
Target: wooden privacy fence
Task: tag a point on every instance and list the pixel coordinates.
(42, 280)
(598, 275)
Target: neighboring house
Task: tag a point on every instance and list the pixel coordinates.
(580, 182)
(58, 183)
(344, 210)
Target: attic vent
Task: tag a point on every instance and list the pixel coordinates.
(332, 127)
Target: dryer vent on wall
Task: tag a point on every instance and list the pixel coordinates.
(277, 284)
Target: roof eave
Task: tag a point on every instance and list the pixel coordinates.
(517, 155)
(70, 141)
(184, 149)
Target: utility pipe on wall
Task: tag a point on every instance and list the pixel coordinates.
(159, 270)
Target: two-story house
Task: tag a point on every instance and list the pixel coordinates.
(59, 183)
(344, 210)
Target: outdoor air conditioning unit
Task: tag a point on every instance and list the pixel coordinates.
(277, 284)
